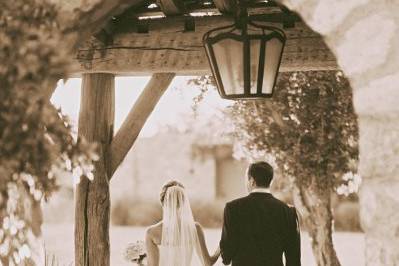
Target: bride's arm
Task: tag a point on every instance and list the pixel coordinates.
(152, 249)
(208, 259)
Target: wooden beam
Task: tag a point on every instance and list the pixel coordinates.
(92, 209)
(167, 48)
(138, 115)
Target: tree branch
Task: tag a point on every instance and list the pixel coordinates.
(276, 115)
(138, 115)
(50, 89)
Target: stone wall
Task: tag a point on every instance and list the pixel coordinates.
(364, 36)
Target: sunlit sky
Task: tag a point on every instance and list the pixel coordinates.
(174, 105)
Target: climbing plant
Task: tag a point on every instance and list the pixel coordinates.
(36, 141)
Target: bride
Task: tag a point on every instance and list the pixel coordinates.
(177, 240)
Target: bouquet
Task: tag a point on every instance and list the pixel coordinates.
(135, 252)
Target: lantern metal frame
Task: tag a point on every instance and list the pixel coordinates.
(242, 23)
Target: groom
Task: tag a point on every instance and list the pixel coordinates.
(258, 228)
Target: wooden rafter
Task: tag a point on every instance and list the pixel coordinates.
(177, 6)
(138, 115)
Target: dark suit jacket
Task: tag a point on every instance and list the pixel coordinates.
(258, 230)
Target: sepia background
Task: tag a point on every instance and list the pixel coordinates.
(336, 109)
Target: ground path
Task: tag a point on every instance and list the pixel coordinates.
(59, 241)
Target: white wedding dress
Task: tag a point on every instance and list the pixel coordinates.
(179, 245)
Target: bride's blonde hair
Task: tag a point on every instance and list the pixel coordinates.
(179, 232)
(165, 187)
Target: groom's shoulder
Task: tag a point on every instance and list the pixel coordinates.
(237, 201)
(282, 204)
(288, 208)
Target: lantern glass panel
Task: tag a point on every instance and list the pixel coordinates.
(229, 59)
(254, 63)
(272, 56)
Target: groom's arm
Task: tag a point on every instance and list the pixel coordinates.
(293, 246)
(228, 244)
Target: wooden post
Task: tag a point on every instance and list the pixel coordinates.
(92, 212)
(96, 119)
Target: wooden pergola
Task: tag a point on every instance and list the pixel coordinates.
(168, 38)
(162, 39)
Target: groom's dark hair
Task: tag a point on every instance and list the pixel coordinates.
(262, 173)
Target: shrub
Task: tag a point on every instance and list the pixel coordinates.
(346, 217)
(136, 212)
(50, 260)
(208, 213)
(143, 213)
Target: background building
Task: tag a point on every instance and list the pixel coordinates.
(208, 171)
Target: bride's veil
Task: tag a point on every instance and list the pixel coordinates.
(179, 245)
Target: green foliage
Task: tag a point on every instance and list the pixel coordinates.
(35, 138)
(309, 127)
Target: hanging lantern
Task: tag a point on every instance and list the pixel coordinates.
(245, 58)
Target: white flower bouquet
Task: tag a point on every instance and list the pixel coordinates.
(135, 252)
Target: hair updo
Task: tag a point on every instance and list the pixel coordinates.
(165, 188)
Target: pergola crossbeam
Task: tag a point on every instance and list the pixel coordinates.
(167, 48)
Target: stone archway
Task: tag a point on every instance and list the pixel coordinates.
(364, 36)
